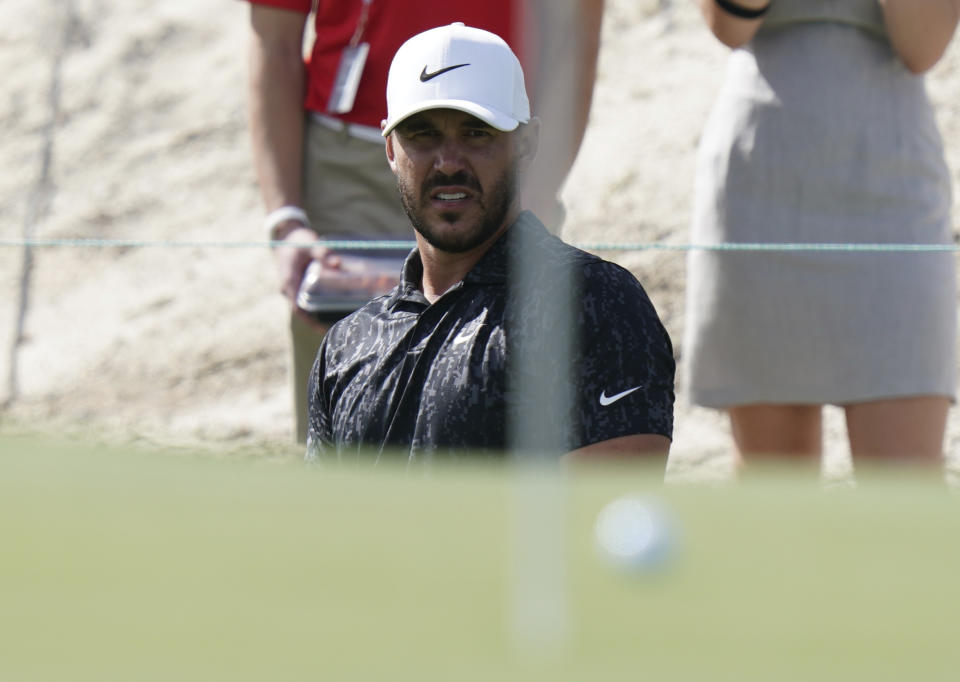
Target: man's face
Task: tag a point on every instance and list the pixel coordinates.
(457, 177)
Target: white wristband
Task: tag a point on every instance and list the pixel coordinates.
(281, 215)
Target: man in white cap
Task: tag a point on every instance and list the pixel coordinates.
(439, 365)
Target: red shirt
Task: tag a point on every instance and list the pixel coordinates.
(389, 24)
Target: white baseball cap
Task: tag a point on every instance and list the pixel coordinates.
(457, 67)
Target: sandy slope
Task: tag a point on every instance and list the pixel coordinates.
(126, 120)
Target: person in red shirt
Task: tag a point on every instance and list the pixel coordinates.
(315, 124)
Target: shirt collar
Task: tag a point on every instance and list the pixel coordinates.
(490, 269)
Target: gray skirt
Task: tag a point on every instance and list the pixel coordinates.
(820, 135)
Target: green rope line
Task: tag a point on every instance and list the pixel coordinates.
(407, 245)
(139, 243)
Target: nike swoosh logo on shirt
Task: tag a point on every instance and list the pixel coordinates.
(467, 335)
(425, 76)
(605, 400)
(462, 338)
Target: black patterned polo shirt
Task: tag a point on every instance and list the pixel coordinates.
(407, 377)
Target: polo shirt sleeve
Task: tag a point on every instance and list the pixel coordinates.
(294, 5)
(624, 371)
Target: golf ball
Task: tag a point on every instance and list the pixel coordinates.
(636, 533)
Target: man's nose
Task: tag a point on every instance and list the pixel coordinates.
(450, 157)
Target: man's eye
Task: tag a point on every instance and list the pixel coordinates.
(478, 132)
(421, 134)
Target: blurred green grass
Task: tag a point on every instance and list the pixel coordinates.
(130, 565)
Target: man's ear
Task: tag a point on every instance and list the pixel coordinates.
(528, 143)
(391, 155)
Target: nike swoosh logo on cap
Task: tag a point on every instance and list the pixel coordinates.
(424, 76)
(604, 400)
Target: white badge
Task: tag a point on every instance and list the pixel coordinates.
(345, 87)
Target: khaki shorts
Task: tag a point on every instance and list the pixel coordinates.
(349, 192)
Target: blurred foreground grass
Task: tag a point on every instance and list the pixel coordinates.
(128, 565)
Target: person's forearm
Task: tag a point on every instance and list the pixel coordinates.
(276, 91)
(920, 30)
(568, 38)
(645, 445)
(588, 19)
(729, 28)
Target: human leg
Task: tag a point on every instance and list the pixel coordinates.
(305, 340)
(908, 430)
(791, 433)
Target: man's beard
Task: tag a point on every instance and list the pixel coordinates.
(493, 210)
